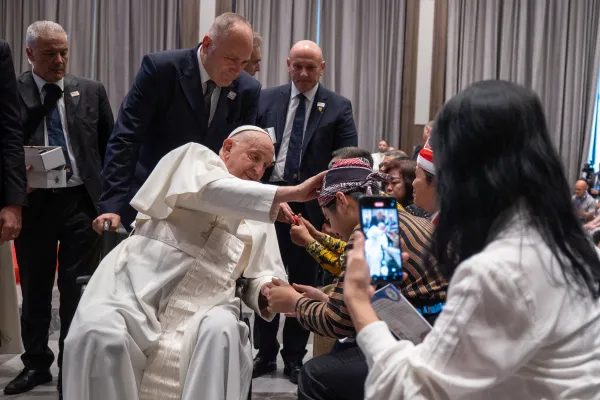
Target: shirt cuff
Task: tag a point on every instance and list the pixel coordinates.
(374, 339)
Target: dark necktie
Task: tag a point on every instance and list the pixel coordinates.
(210, 88)
(292, 160)
(54, 128)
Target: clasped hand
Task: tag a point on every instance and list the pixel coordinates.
(282, 297)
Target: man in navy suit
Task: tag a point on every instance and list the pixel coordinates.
(180, 96)
(309, 123)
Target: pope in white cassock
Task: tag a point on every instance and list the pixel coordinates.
(159, 318)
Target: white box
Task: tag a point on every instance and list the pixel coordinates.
(55, 178)
(44, 158)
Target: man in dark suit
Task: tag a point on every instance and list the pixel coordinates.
(72, 113)
(180, 96)
(13, 183)
(309, 123)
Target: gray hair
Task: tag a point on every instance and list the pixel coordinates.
(41, 28)
(256, 40)
(430, 124)
(395, 153)
(224, 23)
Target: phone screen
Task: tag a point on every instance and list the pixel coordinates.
(379, 222)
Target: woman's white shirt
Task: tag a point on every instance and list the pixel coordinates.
(510, 329)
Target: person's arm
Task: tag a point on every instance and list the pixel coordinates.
(14, 179)
(264, 264)
(590, 210)
(327, 259)
(106, 122)
(122, 151)
(194, 178)
(593, 224)
(466, 352)
(334, 245)
(345, 132)
(329, 318)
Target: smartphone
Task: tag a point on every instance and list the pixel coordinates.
(379, 223)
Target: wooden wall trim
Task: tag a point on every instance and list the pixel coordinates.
(440, 44)
(190, 26)
(408, 137)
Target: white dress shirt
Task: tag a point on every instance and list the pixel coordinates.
(377, 159)
(214, 99)
(510, 330)
(278, 171)
(75, 178)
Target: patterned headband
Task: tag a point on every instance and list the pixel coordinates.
(347, 176)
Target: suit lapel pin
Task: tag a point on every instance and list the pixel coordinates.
(320, 106)
(74, 94)
(231, 95)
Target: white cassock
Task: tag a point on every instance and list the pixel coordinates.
(159, 318)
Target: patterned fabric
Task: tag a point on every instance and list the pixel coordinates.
(328, 253)
(417, 211)
(421, 287)
(347, 176)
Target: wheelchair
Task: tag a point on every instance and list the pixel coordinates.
(111, 239)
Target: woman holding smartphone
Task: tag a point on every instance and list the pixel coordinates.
(522, 317)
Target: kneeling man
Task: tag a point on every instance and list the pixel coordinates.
(159, 318)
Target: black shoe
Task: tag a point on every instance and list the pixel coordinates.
(27, 380)
(263, 366)
(292, 370)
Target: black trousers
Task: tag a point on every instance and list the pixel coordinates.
(339, 375)
(302, 269)
(62, 215)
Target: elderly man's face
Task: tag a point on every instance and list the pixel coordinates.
(580, 188)
(225, 59)
(253, 65)
(49, 55)
(426, 133)
(248, 158)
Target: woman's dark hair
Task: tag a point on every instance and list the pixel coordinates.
(493, 154)
(407, 168)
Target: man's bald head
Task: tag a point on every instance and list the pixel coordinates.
(307, 48)
(305, 65)
(581, 188)
(248, 154)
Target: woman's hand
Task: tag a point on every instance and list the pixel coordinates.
(358, 290)
(357, 280)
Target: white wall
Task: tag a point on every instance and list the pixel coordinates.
(424, 61)
(208, 9)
